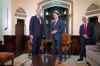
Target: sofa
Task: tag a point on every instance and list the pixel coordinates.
(93, 55)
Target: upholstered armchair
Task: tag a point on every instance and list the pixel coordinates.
(66, 44)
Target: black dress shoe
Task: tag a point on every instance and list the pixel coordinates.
(80, 59)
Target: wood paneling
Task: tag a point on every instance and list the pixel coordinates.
(10, 43)
(75, 44)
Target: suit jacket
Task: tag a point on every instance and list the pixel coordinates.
(90, 33)
(60, 27)
(36, 29)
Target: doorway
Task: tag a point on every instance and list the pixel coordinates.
(19, 32)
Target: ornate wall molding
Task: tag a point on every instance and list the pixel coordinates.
(93, 9)
(20, 12)
(51, 3)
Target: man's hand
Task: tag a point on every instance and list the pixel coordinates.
(85, 36)
(31, 38)
(54, 31)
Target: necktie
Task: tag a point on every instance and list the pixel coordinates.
(85, 28)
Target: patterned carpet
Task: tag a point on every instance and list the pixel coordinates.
(24, 60)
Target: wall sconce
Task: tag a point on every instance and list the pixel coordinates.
(47, 13)
(65, 13)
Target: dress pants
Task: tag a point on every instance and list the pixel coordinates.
(82, 51)
(36, 58)
(82, 48)
(57, 51)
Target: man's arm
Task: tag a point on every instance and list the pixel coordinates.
(81, 31)
(31, 28)
(31, 25)
(43, 26)
(62, 27)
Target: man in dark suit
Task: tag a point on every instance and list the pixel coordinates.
(57, 27)
(36, 32)
(87, 36)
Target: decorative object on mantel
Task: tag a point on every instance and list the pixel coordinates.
(93, 9)
(20, 12)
